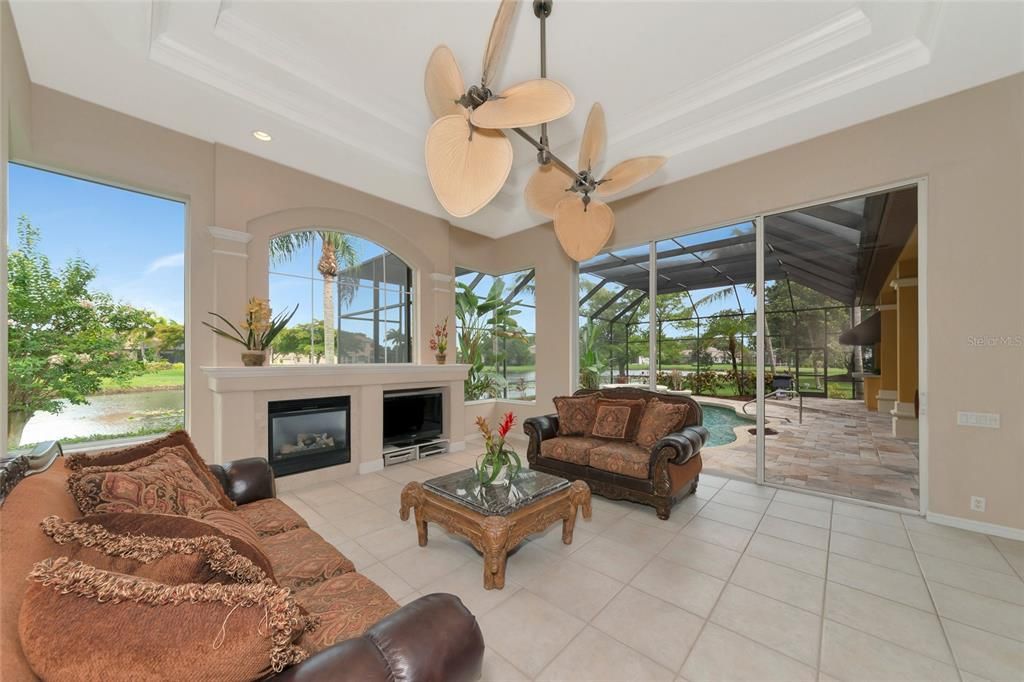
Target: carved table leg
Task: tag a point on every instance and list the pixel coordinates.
(412, 496)
(579, 496)
(495, 549)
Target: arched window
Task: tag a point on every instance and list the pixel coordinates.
(354, 299)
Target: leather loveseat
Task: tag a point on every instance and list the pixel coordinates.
(659, 476)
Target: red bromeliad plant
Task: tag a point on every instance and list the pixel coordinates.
(497, 454)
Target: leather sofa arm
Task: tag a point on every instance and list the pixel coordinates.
(545, 427)
(246, 480)
(433, 639)
(684, 444)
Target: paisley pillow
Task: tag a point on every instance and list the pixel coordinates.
(659, 420)
(576, 414)
(617, 419)
(162, 483)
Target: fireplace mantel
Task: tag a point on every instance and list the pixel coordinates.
(241, 395)
(285, 377)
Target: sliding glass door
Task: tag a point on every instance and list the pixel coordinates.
(840, 300)
(826, 399)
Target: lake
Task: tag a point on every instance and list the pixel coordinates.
(109, 415)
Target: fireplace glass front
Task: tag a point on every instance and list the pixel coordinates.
(308, 434)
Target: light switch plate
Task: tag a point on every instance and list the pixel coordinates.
(984, 420)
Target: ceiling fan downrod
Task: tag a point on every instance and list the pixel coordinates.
(582, 183)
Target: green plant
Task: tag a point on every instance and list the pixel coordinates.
(497, 455)
(703, 383)
(260, 328)
(478, 320)
(64, 339)
(591, 366)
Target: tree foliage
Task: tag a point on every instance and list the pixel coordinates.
(483, 324)
(64, 338)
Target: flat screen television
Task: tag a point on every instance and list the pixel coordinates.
(412, 417)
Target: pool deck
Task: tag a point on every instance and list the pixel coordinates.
(840, 448)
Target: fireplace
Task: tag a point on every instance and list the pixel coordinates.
(308, 434)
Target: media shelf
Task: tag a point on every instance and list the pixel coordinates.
(399, 453)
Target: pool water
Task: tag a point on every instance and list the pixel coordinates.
(721, 421)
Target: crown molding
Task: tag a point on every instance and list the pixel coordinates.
(841, 30)
(266, 46)
(188, 61)
(880, 66)
(229, 235)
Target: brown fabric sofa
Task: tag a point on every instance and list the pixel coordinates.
(659, 476)
(364, 634)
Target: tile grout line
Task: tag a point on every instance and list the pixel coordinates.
(824, 591)
(728, 582)
(938, 616)
(1019, 573)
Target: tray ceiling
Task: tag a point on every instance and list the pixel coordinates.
(339, 85)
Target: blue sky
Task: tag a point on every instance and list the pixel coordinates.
(136, 242)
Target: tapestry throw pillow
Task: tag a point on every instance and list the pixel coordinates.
(163, 547)
(79, 622)
(162, 483)
(576, 414)
(80, 460)
(618, 418)
(659, 420)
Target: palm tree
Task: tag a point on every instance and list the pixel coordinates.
(335, 248)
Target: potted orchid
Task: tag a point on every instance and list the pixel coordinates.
(439, 342)
(499, 464)
(261, 328)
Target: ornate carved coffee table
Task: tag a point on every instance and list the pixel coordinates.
(495, 518)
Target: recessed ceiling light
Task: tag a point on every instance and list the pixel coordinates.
(262, 136)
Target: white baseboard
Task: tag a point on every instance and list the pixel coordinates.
(456, 446)
(977, 526)
(371, 466)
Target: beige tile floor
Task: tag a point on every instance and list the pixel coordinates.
(742, 583)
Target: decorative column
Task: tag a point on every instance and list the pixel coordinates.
(904, 417)
(444, 306)
(887, 353)
(229, 286)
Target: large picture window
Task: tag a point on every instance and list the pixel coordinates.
(96, 311)
(354, 299)
(496, 333)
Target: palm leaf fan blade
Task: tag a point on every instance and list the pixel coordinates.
(595, 136)
(525, 104)
(547, 186)
(497, 41)
(624, 175)
(443, 83)
(467, 167)
(583, 230)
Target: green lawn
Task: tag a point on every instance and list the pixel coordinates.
(163, 378)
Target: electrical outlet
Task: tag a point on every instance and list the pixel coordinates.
(981, 419)
(977, 504)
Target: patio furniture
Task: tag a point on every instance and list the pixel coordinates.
(495, 518)
(658, 476)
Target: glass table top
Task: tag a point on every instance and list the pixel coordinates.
(495, 500)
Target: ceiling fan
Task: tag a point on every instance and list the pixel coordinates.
(469, 157)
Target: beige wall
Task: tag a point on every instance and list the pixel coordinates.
(227, 188)
(970, 147)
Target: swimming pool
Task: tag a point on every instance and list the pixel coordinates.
(721, 421)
